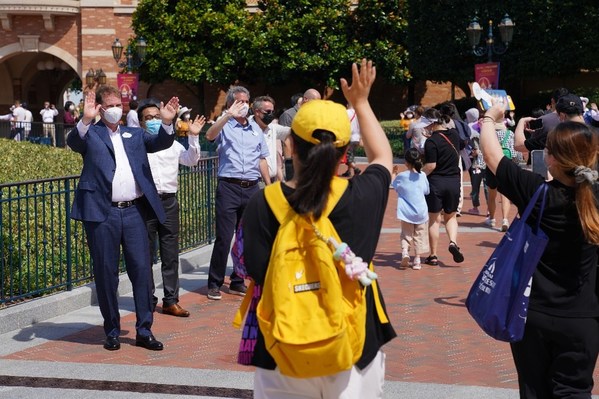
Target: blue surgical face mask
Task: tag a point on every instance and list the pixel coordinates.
(153, 126)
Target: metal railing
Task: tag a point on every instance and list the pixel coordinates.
(42, 250)
(36, 132)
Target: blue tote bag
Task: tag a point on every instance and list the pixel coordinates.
(498, 299)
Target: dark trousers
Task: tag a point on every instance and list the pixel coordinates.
(168, 243)
(123, 227)
(475, 180)
(231, 200)
(557, 357)
(20, 131)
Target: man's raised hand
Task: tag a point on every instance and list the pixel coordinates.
(197, 125)
(169, 111)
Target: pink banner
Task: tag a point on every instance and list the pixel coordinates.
(127, 84)
(487, 75)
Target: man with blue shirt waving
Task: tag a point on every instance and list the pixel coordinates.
(242, 153)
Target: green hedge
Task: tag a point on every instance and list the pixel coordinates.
(395, 135)
(23, 161)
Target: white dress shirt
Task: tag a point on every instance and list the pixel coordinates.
(124, 186)
(272, 134)
(165, 163)
(132, 120)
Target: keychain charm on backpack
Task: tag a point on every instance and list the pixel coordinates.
(355, 267)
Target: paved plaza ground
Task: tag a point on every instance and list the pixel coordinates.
(439, 351)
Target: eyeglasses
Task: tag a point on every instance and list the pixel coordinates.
(267, 111)
(150, 117)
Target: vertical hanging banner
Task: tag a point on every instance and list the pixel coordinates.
(487, 75)
(127, 84)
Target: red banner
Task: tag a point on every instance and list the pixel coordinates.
(127, 84)
(487, 75)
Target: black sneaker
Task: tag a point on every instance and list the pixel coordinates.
(238, 289)
(214, 293)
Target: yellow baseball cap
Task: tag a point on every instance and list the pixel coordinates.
(322, 115)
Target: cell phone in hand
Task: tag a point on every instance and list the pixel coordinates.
(535, 124)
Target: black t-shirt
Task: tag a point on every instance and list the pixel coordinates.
(445, 155)
(367, 192)
(564, 283)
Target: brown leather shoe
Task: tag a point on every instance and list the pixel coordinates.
(175, 310)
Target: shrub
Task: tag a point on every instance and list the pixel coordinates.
(23, 161)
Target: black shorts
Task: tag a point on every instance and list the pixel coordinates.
(444, 194)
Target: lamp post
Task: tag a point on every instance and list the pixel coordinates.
(95, 76)
(506, 31)
(133, 59)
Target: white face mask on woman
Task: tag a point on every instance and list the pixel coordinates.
(113, 115)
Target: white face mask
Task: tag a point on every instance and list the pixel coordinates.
(243, 112)
(113, 115)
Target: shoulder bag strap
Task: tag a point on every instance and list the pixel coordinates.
(450, 143)
(353, 117)
(542, 189)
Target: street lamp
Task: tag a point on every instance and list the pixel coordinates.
(506, 31)
(95, 76)
(132, 60)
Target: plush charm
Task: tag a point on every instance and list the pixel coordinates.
(355, 267)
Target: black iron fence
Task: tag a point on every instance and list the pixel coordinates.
(42, 250)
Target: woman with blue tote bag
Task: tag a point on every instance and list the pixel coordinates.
(557, 355)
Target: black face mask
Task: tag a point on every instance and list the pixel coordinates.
(267, 118)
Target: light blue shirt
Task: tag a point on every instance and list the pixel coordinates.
(411, 188)
(240, 149)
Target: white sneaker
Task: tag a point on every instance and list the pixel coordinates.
(505, 224)
(490, 222)
(405, 260)
(417, 265)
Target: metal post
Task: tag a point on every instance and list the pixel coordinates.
(490, 42)
(69, 241)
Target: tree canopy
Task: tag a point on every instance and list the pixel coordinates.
(314, 41)
(308, 40)
(196, 41)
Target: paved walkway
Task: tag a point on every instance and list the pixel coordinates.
(439, 352)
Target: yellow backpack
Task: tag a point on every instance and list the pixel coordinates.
(312, 316)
